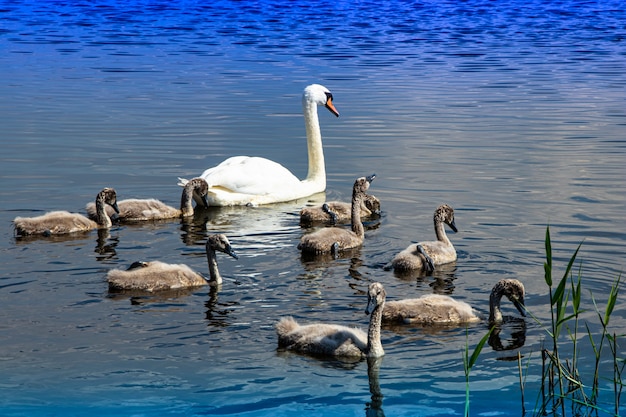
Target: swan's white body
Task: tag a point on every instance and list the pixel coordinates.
(244, 180)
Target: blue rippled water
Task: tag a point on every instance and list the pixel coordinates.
(512, 112)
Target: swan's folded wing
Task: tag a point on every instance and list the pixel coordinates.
(251, 175)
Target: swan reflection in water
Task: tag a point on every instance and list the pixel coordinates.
(218, 314)
(508, 335)
(194, 230)
(105, 245)
(313, 261)
(265, 215)
(374, 408)
(140, 298)
(443, 275)
(262, 229)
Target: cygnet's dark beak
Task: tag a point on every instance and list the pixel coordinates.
(205, 202)
(519, 304)
(332, 214)
(114, 205)
(370, 178)
(231, 252)
(453, 226)
(137, 264)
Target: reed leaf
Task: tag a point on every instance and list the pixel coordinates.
(576, 294)
(469, 361)
(610, 305)
(562, 320)
(571, 261)
(593, 344)
(547, 266)
(479, 348)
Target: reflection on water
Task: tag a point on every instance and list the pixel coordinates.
(264, 228)
(217, 314)
(513, 115)
(142, 298)
(102, 235)
(508, 335)
(105, 245)
(375, 407)
(311, 261)
(441, 280)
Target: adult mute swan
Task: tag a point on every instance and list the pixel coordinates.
(244, 180)
(335, 339)
(424, 255)
(135, 209)
(62, 222)
(433, 309)
(158, 276)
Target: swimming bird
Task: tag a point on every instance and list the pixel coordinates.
(342, 211)
(157, 276)
(334, 239)
(63, 222)
(151, 209)
(435, 309)
(244, 180)
(440, 251)
(334, 339)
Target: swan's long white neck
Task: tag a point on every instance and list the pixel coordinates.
(373, 376)
(317, 170)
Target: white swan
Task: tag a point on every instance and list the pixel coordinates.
(433, 309)
(63, 222)
(335, 339)
(244, 180)
(158, 276)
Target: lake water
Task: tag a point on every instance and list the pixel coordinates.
(513, 113)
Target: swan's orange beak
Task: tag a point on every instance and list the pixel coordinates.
(330, 106)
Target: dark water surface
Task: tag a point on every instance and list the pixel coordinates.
(513, 113)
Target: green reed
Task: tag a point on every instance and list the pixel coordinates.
(562, 384)
(469, 361)
(563, 388)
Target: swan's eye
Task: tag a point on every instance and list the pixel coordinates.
(329, 96)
